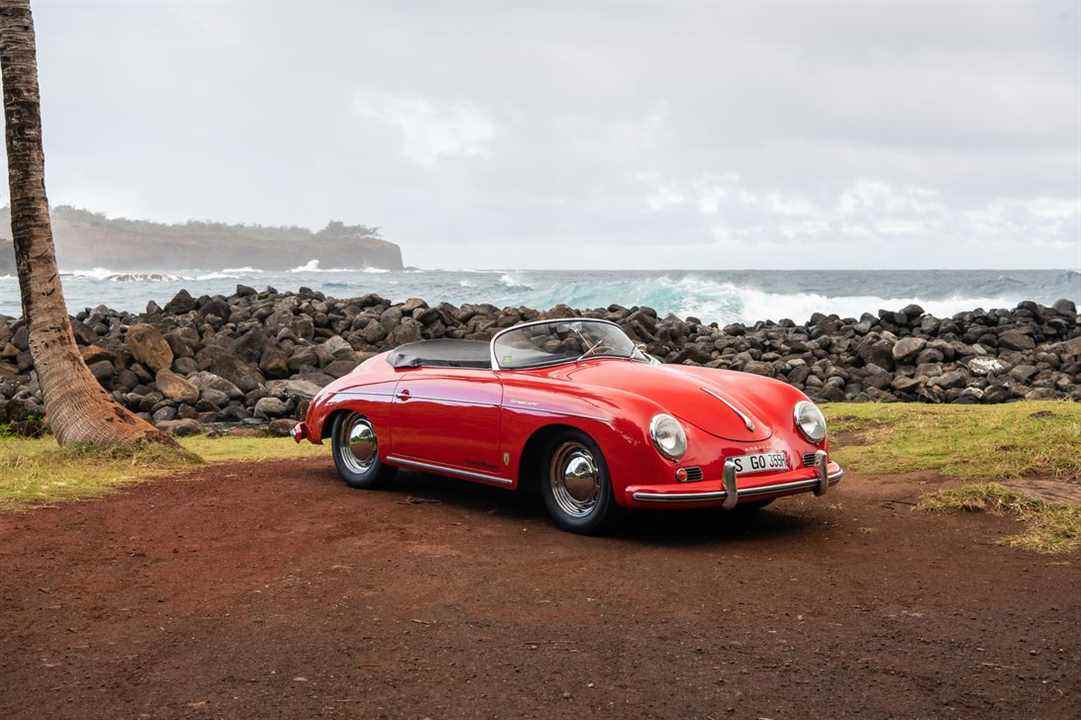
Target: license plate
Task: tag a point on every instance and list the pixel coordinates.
(760, 463)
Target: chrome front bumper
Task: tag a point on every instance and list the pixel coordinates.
(730, 496)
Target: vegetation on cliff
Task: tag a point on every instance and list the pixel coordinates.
(86, 239)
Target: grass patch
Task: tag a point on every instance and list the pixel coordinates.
(36, 472)
(1049, 527)
(970, 442)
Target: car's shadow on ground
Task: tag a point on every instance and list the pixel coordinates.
(653, 527)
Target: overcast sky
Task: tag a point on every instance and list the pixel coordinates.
(631, 135)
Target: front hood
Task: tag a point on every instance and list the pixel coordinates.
(721, 405)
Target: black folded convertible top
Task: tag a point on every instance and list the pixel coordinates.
(442, 353)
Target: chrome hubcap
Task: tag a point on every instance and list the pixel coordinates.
(575, 480)
(357, 445)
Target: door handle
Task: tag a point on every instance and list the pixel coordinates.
(403, 394)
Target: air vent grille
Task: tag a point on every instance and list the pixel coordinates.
(694, 474)
(808, 459)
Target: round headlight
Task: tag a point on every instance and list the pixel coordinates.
(810, 421)
(668, 436)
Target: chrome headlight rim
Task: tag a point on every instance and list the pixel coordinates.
(817, 437)
(655, 429)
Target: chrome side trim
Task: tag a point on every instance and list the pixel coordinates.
(551, 411)
(713, 495)
(447, 401)
(680, 497)
(747, 422)
(443, 469)
(360, 393)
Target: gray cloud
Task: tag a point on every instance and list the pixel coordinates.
(799, 134)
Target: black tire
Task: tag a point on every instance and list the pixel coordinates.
(580, 507)
(358, 461)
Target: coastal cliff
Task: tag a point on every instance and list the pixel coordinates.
(86, 240)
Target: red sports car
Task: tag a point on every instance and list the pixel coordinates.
(574, 408)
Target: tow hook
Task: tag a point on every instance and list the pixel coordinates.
(822, 468)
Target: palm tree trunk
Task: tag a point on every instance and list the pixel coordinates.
(77, 408)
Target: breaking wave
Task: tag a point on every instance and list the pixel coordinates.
(514, 281)
(710, 295)
(105, 274)
(312, 266)
(712, 300)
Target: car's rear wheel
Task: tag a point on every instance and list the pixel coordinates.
(576, 487)
(356, 452)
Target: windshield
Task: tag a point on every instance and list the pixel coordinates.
(554, 341)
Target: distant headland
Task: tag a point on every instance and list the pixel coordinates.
(86, 239)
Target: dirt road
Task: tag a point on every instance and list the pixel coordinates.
(273, 591)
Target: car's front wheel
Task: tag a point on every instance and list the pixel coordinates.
(356, 452)
(576, 487)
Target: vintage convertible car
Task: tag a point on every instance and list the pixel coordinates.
(573, 408)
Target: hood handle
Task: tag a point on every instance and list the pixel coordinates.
(747, 422)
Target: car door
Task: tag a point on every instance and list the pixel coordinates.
(449, 417)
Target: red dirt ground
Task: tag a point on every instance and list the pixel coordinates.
(273, 591)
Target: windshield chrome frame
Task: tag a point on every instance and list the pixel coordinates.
(495, 362)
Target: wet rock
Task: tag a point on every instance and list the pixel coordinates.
(163, 414)
(209, 381)
(903, 383)
(185, 365)
(986, 365)
(970, 395)
(21, 338)
(93, 353)
(876, 350)
(1065, 307)
(340, 368)
(303, 357)
(1016, 340)
(103, 372)
(1023, 373)
(906, 349)
(281, 427)
(758, 368)
(148, 346)
(270, 407)
(224, 364)
(951, 379)
(274, 362)
(211, 399)
(331, 349)
(181, 303)
(180, 428)
(175, 387)
(300, 389)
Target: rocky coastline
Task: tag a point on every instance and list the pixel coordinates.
(256, 358)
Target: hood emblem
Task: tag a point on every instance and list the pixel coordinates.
(747, 422)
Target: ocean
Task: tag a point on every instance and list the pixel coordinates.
(711, 295)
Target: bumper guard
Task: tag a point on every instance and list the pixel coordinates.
(731, 495)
